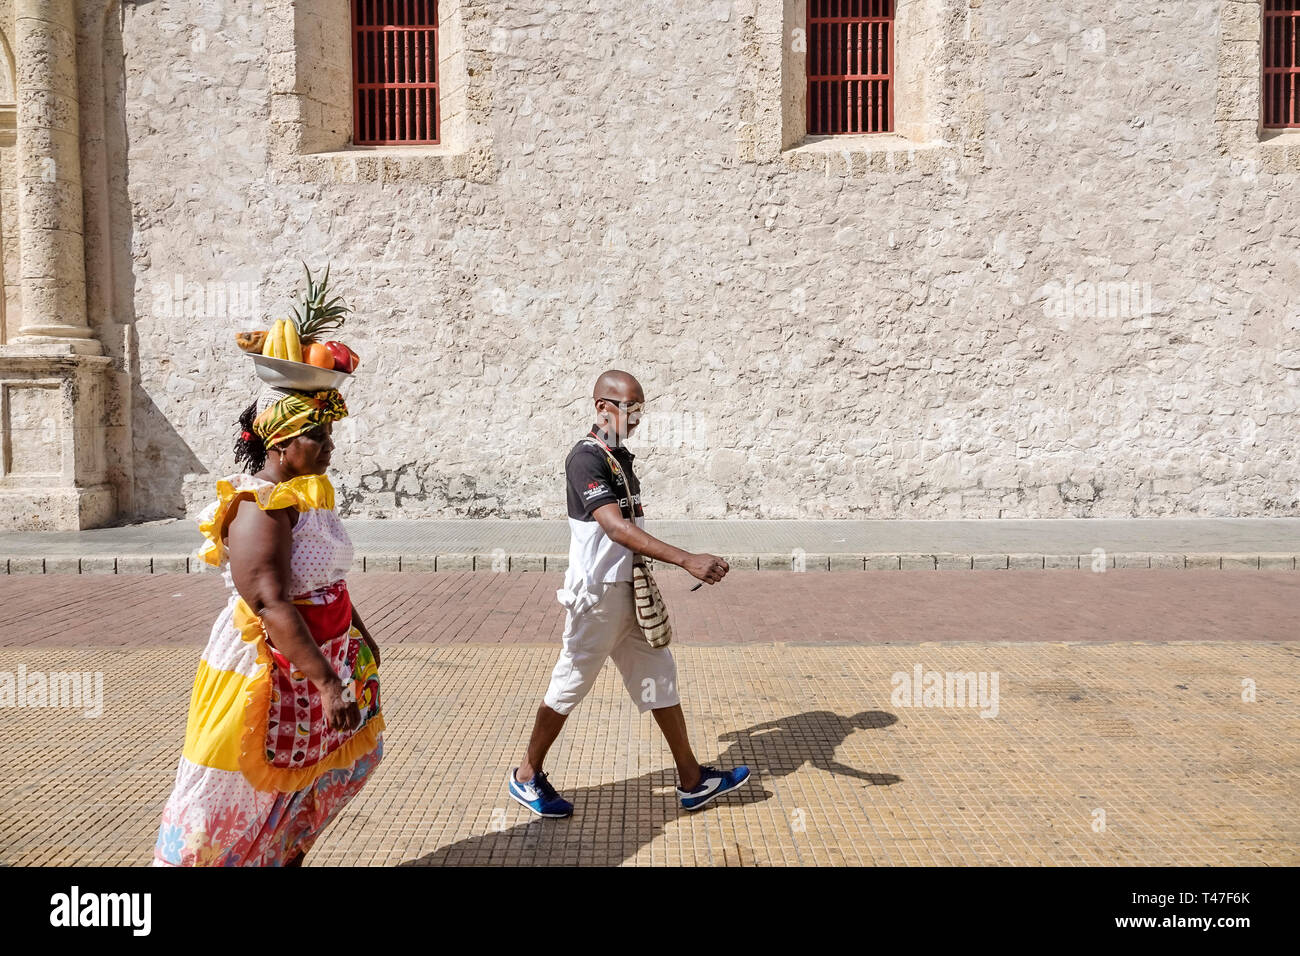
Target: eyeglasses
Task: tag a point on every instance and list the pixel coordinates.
(631, 407)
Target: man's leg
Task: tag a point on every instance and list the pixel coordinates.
(586, 643)
(546, 727)
(672, 722)
(650, 676)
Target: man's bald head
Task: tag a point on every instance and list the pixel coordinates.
(617, 396)
(618, 385)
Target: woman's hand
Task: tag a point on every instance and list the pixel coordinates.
(339, 715)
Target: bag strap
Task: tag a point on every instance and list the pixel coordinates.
(594, 440)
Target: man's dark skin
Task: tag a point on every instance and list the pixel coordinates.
(614, 391)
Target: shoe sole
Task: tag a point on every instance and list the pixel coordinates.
(524, 803)
(713, 796)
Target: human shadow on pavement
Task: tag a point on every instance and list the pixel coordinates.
(612, 821)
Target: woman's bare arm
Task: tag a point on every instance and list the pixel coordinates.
(360, 625)
(260, 544)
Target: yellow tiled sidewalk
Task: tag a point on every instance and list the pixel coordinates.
(1152, 740)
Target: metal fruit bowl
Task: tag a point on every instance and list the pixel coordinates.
(299, 376)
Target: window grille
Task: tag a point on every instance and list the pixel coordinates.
(395, 72)
(1281, 64)
(851, 66)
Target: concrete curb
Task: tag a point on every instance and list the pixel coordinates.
(500, 561)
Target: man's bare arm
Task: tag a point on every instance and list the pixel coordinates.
(706, 567)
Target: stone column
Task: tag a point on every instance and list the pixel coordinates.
(49, 180)
(54, 379)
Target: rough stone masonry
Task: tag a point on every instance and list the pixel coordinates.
(1063, 295)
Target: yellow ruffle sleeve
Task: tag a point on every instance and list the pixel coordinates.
(304, 493)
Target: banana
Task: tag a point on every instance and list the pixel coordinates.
(292, 345)
(268, 347)
(279, 339)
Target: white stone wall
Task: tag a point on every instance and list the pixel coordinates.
(821, 338)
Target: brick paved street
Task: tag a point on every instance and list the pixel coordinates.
(899, 607)
(1119, 694)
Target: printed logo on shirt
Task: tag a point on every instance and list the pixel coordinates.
(594, 490)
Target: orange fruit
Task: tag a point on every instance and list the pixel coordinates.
(318, 354)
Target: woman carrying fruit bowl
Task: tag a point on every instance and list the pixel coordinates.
(284, 720)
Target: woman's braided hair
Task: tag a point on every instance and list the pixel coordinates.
(250, 450)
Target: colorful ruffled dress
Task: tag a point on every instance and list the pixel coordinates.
(262, 773)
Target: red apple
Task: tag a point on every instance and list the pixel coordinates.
(345, 360)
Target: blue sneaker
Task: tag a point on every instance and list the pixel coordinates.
(539, 796)
(713, 783)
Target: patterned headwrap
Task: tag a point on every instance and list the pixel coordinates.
(284, 415)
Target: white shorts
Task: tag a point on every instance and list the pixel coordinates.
(609, 629)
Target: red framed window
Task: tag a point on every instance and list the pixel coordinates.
(851, 66)
(1281, 64)
(394, 72)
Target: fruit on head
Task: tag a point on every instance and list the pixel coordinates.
(345, 360)
(251, 341)
(318, 354)
(298, 339)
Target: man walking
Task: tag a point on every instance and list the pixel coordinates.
(601, 615)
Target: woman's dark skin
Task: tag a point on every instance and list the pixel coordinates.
(260, 544)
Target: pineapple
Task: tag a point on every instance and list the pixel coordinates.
(319, 314)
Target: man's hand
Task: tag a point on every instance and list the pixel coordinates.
(707, 567)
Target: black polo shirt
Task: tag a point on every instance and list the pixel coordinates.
(591, 482)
